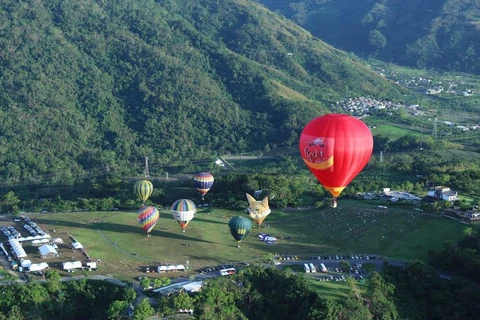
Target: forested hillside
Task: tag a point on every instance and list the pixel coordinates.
(94, 86)
(441, 34)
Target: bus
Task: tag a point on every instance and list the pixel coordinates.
(312, 267)
(307, 269)
(227, 272)
(324, 269)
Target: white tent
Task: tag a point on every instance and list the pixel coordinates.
(38, 266)
(17, 248)
(180, 267)
(39, 242)
(193, 286)
(47, 250)
(58, 241)
(77, 245)
(162, 269)
(72, 265)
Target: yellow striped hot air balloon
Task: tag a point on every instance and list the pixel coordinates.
(143, 189)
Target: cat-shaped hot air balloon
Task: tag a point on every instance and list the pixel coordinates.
(257, 210)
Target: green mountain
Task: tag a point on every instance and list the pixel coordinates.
(440, 34)
(92, 86)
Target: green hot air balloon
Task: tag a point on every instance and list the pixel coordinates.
(239, 228)
(143, 189)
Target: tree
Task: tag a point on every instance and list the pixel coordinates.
(377, 39)
(15, 313)
(353, 307)
(368, 267)
(345, 266)
(183, 301)
(468, 231)
(116, 310)
(164, 281)
(165, 306)
(145, 283)
(143, 310)
(129, 295)
(10, 202)
(157, 283)
(217, 301)
(380, 296)
(53, 280)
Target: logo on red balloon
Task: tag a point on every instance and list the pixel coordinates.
(318, 153)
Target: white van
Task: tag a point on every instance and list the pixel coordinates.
(307, 269)
(312, 268)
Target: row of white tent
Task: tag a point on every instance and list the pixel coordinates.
(37, 237)
(78, 265)
(27, 264)
(162, 269)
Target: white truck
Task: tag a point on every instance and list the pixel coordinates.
(306, 267)
(323, 268)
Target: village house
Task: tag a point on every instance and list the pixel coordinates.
(443, 193)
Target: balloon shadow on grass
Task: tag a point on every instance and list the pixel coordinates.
(120, 228)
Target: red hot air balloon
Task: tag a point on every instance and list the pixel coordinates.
(336, 147)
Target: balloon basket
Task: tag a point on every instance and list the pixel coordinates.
(334, 203)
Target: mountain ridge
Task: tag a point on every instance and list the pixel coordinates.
(102, 84)
(444, 35)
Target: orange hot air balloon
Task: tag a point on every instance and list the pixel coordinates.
(336, 147)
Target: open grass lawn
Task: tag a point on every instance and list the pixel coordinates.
(332, 290)
(354, 227)
(394, 132)
(457, 154)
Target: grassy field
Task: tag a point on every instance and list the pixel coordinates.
(354, 227)
(394, 132)
(449, 155)
(332, 290)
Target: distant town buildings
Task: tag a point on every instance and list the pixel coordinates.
(364, 105)
(457, 86)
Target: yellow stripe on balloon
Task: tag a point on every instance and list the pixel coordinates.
(321, 165)
(334, 191)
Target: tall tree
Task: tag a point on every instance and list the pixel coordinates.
(143, 310)
(380, 298)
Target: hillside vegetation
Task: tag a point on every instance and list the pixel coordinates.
(94, 86)
(441, 34)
